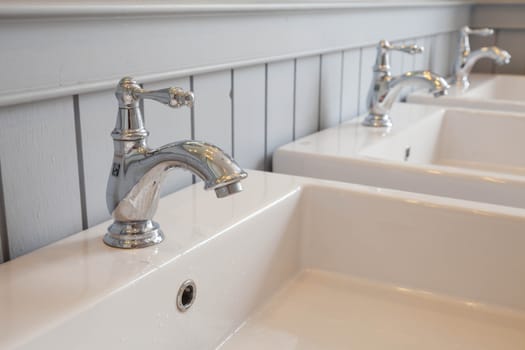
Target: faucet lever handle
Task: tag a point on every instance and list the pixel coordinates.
(129, 93)
(383, 49)
(410, 49)
(481, 31)
(174, 97)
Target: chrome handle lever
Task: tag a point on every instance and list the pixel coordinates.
(130, 121)
(129, 93)
(481, 31)
(383, 49)
(410, 49)
(174, 97)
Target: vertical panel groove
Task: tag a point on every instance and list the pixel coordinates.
(497, 33)
(320, 92)
(266, 168)
(294, 96)
(192, 124)
(233, 114)
(432, 40)
(4, 237)
(80, 159)
(192, 112)
(359, 81)
(341, 87)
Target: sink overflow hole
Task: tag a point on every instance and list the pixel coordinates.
(407, 153)
(186, 295)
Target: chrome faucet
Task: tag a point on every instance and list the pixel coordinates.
(465, 59)
(385, 89)
(137, 171)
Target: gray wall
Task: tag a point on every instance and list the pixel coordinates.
(55, 153)
(509, 24)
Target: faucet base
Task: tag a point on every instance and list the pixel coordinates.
(377, 121)
(462, 84)
(133, 234)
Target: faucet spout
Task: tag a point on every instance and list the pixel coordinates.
(133, 193)
(436, 84)
(387, 90)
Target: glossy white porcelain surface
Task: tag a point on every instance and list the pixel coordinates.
(459, 153)
(290, 263)
(320, 310)
(487, 91)
(460, 138)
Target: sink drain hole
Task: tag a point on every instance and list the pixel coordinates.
(186, 295)
(407, 153)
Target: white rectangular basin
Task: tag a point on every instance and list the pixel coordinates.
(290, 263)
(460, 138)
(487, 91)
(459, 153)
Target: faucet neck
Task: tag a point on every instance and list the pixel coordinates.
(130, 122)
(381, 67)
(129, 125)
(463, 44)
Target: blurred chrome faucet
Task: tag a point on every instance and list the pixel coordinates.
(465, 59)
(137, 171)
(385, 89)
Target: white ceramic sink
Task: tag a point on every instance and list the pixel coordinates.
(459, 153)
(290, 263)
(487, 91)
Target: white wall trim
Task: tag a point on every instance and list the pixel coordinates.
(67, 8)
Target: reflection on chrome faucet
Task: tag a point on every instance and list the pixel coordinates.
(137, 171)
(465, 59)
(385, 89)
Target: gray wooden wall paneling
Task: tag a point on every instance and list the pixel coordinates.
(4, 241)
(98, 112)
(307, 77)
(39, 173)
(427, 54)
(441, 54)
(512, 41)
(213, 108)
(249, 113)
(350, 86)
(330, 87)
(280, 90)
(368, 56)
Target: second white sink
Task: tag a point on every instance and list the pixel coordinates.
(458, 153)
(492, 92)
